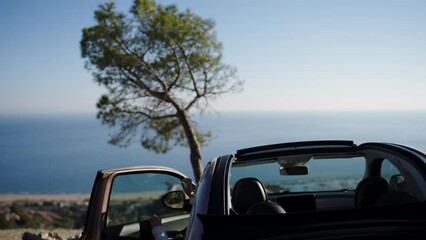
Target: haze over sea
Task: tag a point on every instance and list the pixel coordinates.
(62, 153)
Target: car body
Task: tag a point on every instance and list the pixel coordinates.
(324, 190)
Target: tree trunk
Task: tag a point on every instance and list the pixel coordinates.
(194, 145)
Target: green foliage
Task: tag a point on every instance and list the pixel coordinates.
(27, 220)
(4, 223)
(60, 217)
(157, 64)
(17, 209)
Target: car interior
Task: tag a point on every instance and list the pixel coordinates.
(386, 200)
(375, 180)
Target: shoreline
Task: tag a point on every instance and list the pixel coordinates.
(38, 197)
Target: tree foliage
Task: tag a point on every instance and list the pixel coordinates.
(157, 64)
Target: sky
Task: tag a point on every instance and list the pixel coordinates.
(338, 55)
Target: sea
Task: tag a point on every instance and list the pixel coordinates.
(61, 153)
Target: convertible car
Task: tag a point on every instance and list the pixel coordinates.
(299, 190)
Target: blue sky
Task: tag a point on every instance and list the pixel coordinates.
(293, 55)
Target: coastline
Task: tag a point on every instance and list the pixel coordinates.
(6, 198)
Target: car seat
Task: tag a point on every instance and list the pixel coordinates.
(265, 207)
(246, 192)
(369, 190)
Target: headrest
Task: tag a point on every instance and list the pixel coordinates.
(265, 207)
(369, 190)
(246, 192)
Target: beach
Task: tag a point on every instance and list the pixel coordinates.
(63, 198)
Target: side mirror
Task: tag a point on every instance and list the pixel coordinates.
(397, 182)
(294, 170)
(176, 200)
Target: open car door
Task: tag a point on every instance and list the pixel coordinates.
(122, 201)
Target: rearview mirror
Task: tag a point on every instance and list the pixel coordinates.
(293, 170)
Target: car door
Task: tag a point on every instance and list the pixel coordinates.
(124, 199)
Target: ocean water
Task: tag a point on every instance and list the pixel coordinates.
(62, 153)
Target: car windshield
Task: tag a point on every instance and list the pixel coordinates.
(324, 174)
